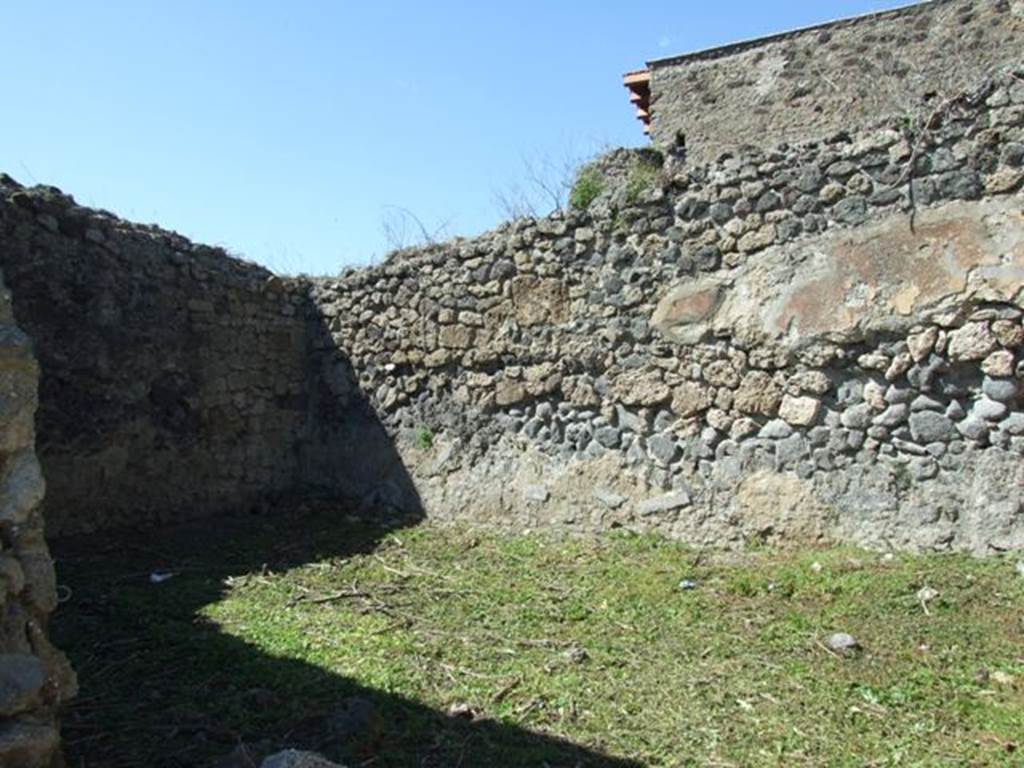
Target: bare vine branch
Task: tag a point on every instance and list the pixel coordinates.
(404, 229)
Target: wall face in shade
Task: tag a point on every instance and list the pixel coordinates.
(35, 678)
(177, 382)
(821, 342)
(173, 378)
(808, 85)
(173, 382)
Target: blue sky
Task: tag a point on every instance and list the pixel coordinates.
(291, 132)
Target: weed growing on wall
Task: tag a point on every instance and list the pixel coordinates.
(589, 185)
(424, 437)
(642, 176)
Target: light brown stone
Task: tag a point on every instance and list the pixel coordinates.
(742, 427)
(759, 394)
(757, 240)
(874, 395)
(831, 192)
(681, 313)
(455, 337)
(874, 361)
(509, 392)
(643, 388)
(1004, 180)
(799, 411)
(998, 363)
(971, 342)
(900, 365)
(580, 393)
(689, 399)
(815, 382)
(437, 358)
(780, 508)
(719, 419)
(721, 373)
(539, 300)
(921, 344)
(1008, 333)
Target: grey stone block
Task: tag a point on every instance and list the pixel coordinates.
(930, 427)
(661, 504)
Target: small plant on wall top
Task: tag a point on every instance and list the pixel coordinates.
(589, 184)
(642, 176)
(424, 437)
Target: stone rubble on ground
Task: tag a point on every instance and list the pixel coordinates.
(842, 643)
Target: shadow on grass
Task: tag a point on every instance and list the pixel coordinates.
(161, 686)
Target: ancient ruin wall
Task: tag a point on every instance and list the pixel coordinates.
(809, 84)
(34, 677)
(820, 342)
(173, 382)
(812, 342)
(173, 377)
(177, 382)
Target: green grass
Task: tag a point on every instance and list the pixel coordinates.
(588, 187)
(569, 652)
(424, 437)
(642, 176)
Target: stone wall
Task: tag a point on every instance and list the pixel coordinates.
(809, 343)
(819, 341)
(34, 678)
(177, 382)
(808, 84)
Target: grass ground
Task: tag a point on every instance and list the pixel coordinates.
(448, 647)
